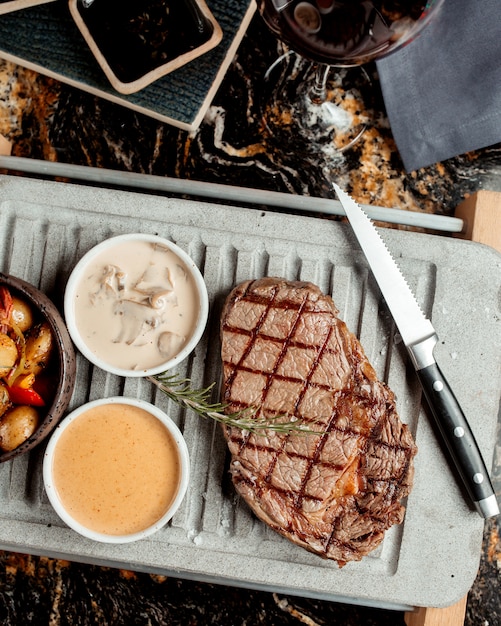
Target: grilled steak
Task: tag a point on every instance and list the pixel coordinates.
(286, 353)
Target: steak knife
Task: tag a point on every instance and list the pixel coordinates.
(420, 338)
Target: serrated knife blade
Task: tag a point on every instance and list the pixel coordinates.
(420, 338)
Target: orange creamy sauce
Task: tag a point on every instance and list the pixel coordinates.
(116, 469)
(136, 305)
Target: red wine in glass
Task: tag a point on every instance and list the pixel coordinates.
(351, 32)
(335, 34)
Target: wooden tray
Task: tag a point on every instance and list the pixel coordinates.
(481, 214)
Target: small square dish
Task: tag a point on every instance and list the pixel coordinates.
(7, 6)
(138, 43)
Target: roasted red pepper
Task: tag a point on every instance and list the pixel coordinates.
(19, 395)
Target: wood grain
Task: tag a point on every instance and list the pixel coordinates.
(481, 213)
(449, 616)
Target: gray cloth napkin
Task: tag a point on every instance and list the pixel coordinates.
(442, 92)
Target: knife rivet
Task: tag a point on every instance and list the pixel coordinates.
(438, 385)
(459, 431)
(478, 478)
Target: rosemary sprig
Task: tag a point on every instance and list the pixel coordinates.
(198, 400)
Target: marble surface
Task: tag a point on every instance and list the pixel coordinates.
(48, 120)
(45, 119)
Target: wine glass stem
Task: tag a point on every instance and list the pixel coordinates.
(318, 90)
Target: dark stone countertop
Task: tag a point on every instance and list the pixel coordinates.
(44, 119)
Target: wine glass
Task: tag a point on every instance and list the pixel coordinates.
(318, 94)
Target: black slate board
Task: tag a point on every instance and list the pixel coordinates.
(46, 39)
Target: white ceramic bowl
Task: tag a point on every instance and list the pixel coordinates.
(104, 483)
(105, 331)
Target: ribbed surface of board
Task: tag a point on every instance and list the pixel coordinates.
(46, 227)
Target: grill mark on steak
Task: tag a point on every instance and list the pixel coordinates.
(252, 335)
(286, 343)
(286, 353)
(269, 304)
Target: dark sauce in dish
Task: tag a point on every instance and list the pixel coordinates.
(136, 37)
(354, 31)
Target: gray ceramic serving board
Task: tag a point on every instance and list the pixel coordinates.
(432, 558)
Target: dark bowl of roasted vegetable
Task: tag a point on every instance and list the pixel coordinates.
(37, 367)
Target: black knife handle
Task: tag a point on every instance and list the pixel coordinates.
(457, 435)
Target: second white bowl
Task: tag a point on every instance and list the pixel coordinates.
(116, 469)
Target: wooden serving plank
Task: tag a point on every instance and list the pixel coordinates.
(481, 213)
(7, 6)
(449, 616)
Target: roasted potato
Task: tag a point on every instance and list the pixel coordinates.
(16, 426)
(8, 354)
(21, 314)
(38, 348)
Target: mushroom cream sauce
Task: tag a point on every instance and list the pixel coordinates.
(136, 305)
